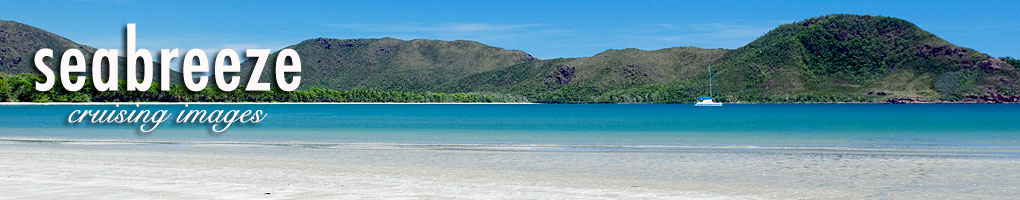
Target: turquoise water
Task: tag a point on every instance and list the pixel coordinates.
(922, 126)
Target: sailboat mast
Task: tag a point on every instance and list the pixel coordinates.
(711, 91)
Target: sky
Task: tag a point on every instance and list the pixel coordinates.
(545, 29)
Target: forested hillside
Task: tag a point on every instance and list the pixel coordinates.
(833, 58)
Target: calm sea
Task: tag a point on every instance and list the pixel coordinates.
(979, 127)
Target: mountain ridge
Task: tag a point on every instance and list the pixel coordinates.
(19, 43)
(831, 58)
(845, 57)
(391, 64)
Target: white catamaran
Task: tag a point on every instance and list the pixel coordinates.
(707, 101)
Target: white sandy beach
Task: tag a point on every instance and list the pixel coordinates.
(116, 171)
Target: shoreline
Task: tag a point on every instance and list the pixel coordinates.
(919, 102)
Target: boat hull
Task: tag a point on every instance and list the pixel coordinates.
(708, 104)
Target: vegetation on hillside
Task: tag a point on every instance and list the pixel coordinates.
(833, 58)
(672, 75)
(859, 58)
(1012, 61)
(19, 44)
(391, 64)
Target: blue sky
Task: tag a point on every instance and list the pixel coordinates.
(546, 29)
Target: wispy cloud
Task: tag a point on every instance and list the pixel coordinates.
(707, 35)
(980, 26)
(467, 31)
(462, 28)
(703, 32)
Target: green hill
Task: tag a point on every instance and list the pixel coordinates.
(833, 58)
(20, 42)
(628, 75)
(392, 64)
(860, 58)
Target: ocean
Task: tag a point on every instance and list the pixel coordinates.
(589, 151)
(559, 127)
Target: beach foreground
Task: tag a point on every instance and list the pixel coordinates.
(96, 170)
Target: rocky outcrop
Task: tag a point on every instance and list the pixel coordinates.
(564, 74)
(989, 98)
